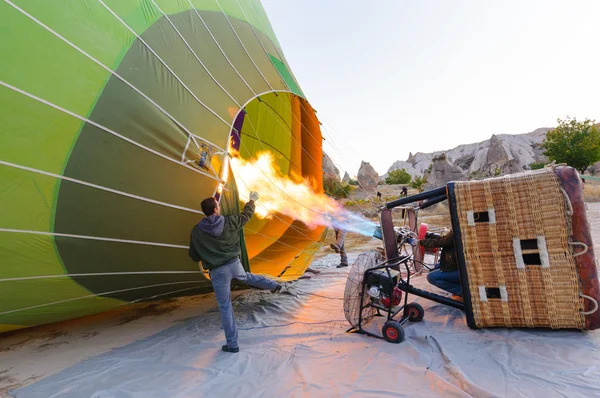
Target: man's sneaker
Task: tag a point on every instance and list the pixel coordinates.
(226, 348)
(335, 247)
(276, 289)
(342, 265)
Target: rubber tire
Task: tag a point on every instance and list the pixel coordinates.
(392, 332)
(414, 312)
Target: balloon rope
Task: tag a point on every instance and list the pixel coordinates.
(106, 129)
(220, 48)
(243, 46)
(96, 61)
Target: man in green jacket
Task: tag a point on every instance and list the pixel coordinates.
(216, 242)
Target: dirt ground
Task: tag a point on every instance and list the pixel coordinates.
(32, 354)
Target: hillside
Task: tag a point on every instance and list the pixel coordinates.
(506, 152)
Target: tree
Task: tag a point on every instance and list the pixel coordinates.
(398, 176)
(334, 188)
(574, 143)
(418, 183)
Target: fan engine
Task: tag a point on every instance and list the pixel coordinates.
(382, 288)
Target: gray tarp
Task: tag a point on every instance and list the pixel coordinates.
(297, 346)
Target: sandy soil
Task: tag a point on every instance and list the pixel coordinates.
(32, 354)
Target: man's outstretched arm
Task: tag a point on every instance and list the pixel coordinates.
(239, 220)
(444, 241)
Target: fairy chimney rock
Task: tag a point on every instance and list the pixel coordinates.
(346, 178)
(442, 172)
(329, 169)
(367, 177)
(496, 155)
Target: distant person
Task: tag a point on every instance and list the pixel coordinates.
(378, 195)
(338, 246)
(404, 193)
(446, 275)
(215, 241)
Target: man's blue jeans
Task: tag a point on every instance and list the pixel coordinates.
(448, 281)
(221, 280)
(339, 240)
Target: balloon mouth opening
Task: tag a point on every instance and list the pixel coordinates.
(285, 126)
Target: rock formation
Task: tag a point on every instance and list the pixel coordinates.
(329, 168)
(465, 161)
(505, 152)
(367, 177)
(496, 154)
(442, 172)
(346, 178)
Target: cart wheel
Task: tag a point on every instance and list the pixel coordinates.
(392, 332)
(414, 312)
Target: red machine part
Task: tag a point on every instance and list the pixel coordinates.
(422, 234)
(396, 298)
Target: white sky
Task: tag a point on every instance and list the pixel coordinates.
(397, 76)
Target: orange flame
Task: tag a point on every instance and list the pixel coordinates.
(280, 194)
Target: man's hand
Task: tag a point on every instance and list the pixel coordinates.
(253, 196)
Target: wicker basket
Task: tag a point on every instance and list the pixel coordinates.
(516, 253)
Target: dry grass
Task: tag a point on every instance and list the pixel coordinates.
(591, 192)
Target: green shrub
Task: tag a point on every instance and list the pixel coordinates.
(398, 176)
(335, 188)
(537, 165)
(418, 183)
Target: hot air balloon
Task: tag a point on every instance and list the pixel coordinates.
(116, 120)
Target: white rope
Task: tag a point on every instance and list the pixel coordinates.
(567, 202)
(291, 93)
(97, 295)
(106, 129)
(220, 48)
(278, 118)
(276, 239)
(266, 32)
(261, 44)
(26, 278)
(315, 140)
(100, 187)
(265, 259)
(283, 80)
(99, 238)
(305, 151)
(585, 248)
(164, 294)
(191, 136)
(593, 301)
(330, 140)
(187, 144)
(165, 65)
(243, 46)
(194, 53)
(81, 51)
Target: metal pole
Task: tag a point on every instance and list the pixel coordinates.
(415, 198)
